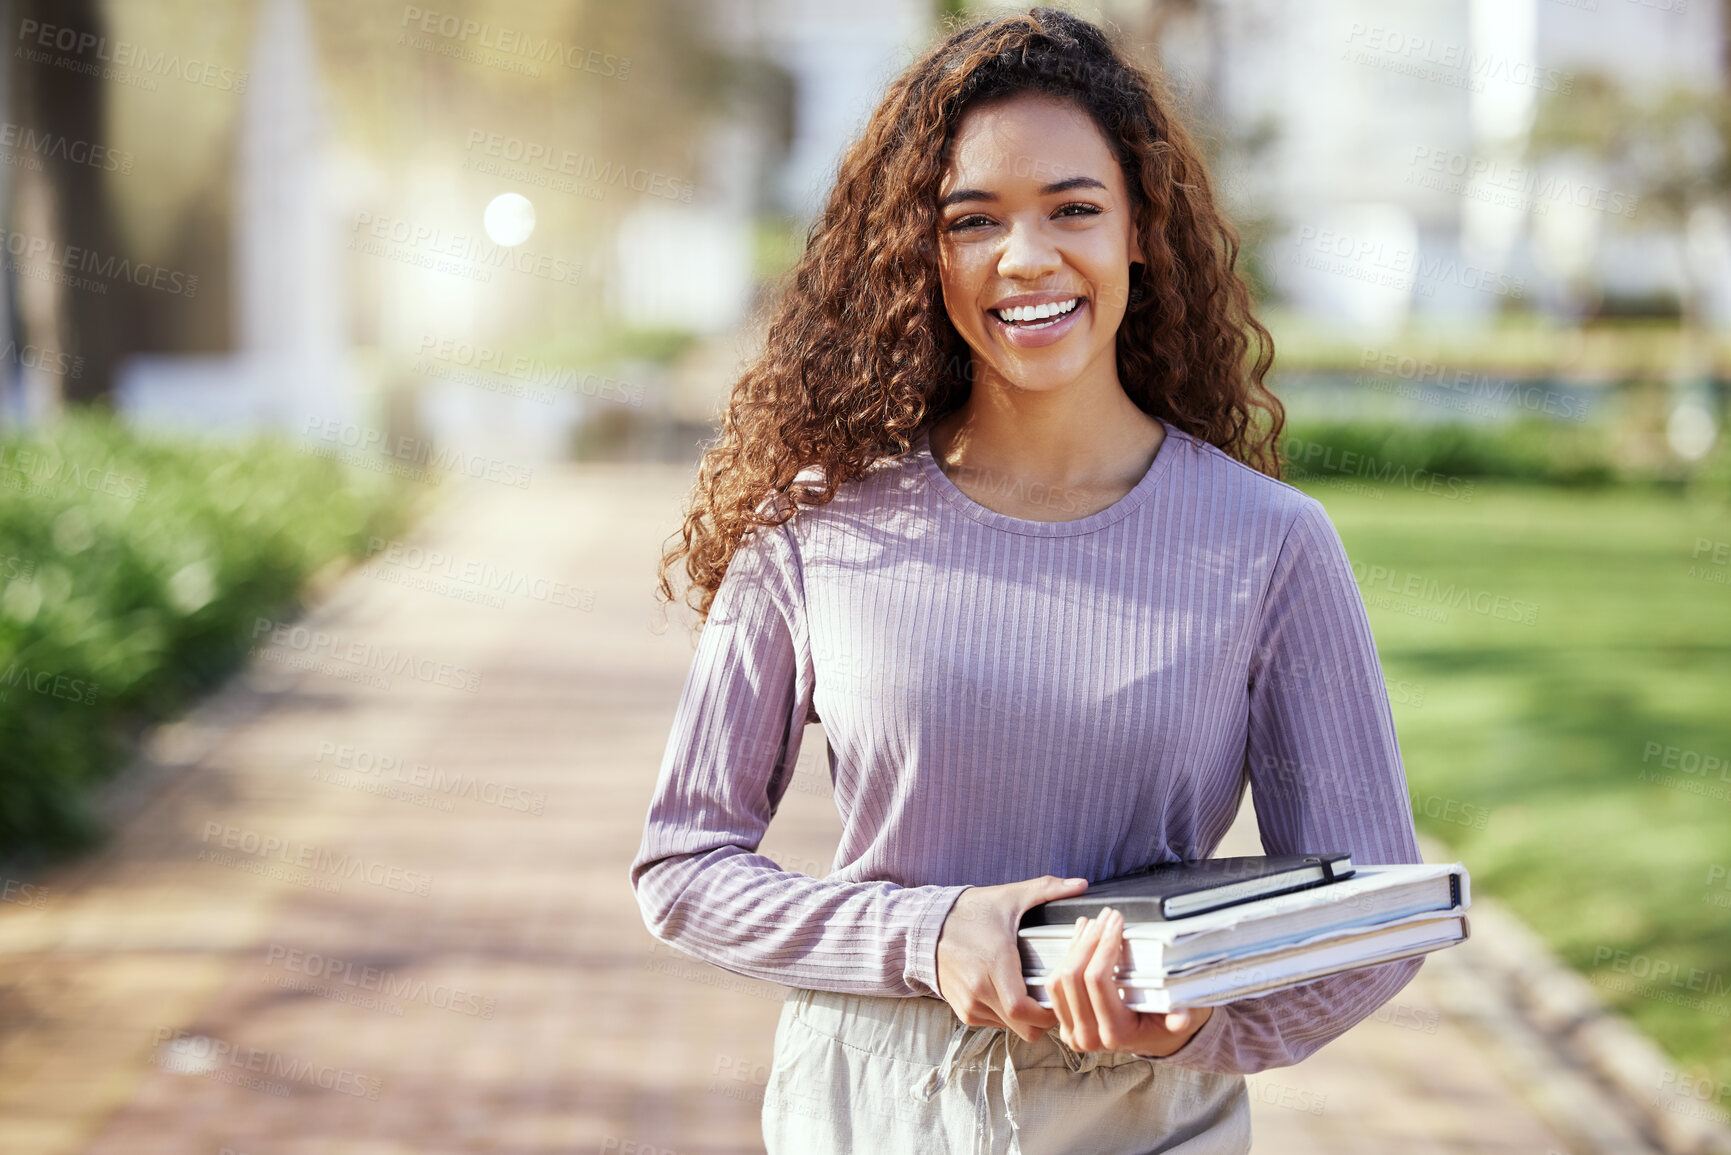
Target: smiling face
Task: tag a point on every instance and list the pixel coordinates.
(1036, 240)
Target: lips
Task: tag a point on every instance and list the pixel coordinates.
(1035, 316)
(1039, 331)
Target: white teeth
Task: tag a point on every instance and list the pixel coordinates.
(1038, 312)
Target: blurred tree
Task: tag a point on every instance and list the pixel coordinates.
(65, 108)
(1672, 150)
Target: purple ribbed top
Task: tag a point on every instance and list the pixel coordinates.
(1005, 698)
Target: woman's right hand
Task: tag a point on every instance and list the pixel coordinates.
(979, 963)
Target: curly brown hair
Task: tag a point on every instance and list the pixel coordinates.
(860, 352)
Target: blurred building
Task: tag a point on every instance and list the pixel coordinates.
(691, 267)
(292, 362)
(1395, 177)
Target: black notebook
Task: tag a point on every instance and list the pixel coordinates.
(1175, 889)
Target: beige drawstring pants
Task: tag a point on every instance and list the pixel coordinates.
(885, 1076)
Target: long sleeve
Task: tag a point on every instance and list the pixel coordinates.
(735, 739)
(1326, 774)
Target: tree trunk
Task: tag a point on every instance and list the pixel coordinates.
(66, 110)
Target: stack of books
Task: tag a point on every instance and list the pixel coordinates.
(1205, 933)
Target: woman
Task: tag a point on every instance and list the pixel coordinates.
(998, 505)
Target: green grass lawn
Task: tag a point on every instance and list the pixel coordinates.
(1541, 734)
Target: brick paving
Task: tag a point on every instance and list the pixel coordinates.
(368, 915)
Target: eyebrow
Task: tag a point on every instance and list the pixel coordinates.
(977, 194)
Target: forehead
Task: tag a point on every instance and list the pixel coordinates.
(1033, 138)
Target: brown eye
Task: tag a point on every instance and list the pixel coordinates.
(1080, 208)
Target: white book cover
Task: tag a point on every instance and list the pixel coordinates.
(1249, 977)
(1373, 896)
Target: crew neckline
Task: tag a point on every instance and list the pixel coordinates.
(1099, 519)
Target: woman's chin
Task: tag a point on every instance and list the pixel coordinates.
(1038, 376)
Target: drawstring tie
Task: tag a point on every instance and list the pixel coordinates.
(966, 1043)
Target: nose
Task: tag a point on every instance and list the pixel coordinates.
(1028, 253)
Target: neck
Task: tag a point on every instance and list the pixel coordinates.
(1087, 434)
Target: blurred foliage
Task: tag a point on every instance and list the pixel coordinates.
(777, 243)
(610, 348)
(1673, 149)
(1543, 734)
(1631, 345)
(132, 570)
(1532, 450)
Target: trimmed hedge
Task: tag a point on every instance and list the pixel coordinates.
(131, 570)
(1532, 450)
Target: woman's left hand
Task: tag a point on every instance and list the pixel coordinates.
(1092, 1015)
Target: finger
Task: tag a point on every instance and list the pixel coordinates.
(1077, 951)
(1058, 986)
(982, 1015)
(1061, 1009)
(1028, 1018)
(1054, 985)
(1019, 1012)
(1117, 1022)
(1086, 1025)
(1047, 887)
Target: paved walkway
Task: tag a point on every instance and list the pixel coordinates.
(353, 913)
